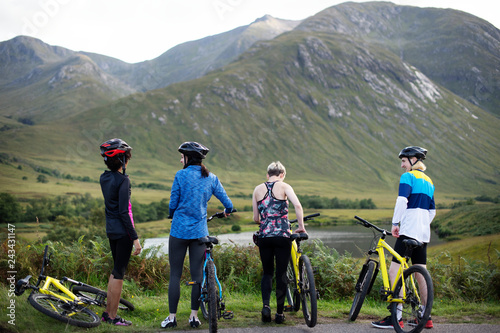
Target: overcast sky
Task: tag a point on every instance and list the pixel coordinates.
(138, 30)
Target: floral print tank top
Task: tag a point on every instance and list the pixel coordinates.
(273, 215)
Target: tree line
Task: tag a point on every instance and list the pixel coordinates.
(82, 206)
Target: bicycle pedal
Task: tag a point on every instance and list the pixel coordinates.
(315, 270)
(228, 315)
(288, 308)
(192, 283)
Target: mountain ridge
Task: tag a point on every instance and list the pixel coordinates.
(331, 105)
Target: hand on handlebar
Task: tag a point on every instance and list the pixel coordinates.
(395, 231)
(300, 230)
(226, 213)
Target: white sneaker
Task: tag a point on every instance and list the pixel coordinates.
(168, 323)
(194, 322)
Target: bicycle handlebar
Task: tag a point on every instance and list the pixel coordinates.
(367, 224)
(220, 215)
(308, 217)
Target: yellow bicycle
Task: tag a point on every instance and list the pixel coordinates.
(69, 305)
(411, 290)
(300, 280)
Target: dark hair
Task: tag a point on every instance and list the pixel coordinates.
(194, 161)
(116, 162)
(204, 170)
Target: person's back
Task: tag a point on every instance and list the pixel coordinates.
(270, 210)
(418, 188)
(190, 194)
(192, 188)
(273, 211)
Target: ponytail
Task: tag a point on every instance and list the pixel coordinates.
(419, 165)
(204, 170)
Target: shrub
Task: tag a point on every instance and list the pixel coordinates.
(239, 269)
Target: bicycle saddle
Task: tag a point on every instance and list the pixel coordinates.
(301, 236)
(207, 240)
(412, 243)
(21, 285)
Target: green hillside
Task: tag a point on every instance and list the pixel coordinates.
(333, 109)
(334, 99)
(454, 49)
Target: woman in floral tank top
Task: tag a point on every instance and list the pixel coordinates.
(270, 210)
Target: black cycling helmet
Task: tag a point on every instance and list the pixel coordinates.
(413, 151)
(193, 149)
(114, 147)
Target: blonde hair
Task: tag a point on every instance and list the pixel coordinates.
(275, 169)
(419, 165)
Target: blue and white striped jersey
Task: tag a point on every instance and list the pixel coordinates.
(415, 207)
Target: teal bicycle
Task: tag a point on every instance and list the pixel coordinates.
(212, 303)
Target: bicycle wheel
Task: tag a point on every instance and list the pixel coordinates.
(308, 291)
(204, 302)
(417, 285)
(362, 289)
(212, 304)
(292, 294)
(95, 293)
(66, 312)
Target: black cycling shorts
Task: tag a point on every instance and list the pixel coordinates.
(121, 249)
(418, 256)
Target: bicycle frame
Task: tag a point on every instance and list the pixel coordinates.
(381, 246)
(57, 284)
(297, 252)
(295, 256)
(207, 258)
(380, 250)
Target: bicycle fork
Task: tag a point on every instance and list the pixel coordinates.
(222, 305)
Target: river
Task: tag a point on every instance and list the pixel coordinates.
(354, 239)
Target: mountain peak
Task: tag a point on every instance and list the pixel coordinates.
(264, 18)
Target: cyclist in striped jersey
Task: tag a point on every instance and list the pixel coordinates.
(414, 211)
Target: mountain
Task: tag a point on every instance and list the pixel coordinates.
(193, 59)
(455, 49)
(42, 83)
(334, 106)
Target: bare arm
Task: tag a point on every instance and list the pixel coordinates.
(290, 194)
(256, 215)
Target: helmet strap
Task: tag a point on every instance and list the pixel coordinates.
(123, 164)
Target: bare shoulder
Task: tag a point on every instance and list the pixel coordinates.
(259, 189)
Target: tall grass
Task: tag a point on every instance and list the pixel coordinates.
(239, 269)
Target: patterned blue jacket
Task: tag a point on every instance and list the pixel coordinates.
(188, 202)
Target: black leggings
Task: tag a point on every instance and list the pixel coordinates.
(177, 249)
(271, 249)
(121, 249)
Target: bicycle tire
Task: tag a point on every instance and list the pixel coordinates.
(292, 294)
(308, 291)
(411, 306)
(362, 288)
(212, 304)
(204, 303)
(72, 314)
(204, 306)
(91, 292)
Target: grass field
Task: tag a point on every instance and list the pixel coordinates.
(152, 309)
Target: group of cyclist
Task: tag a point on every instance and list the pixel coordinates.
(193, 187)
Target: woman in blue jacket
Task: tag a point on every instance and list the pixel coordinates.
(192, 188)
